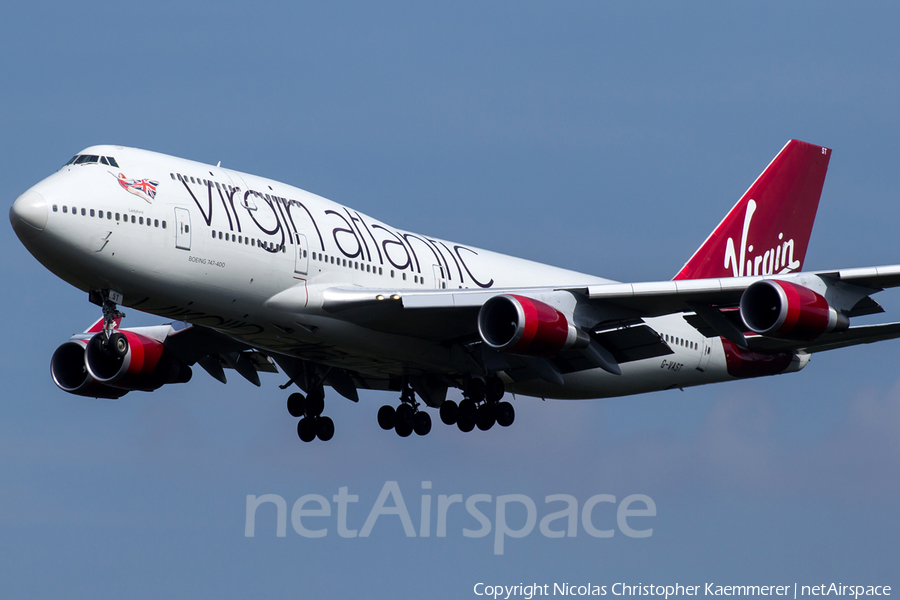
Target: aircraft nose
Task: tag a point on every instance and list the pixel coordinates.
(28, 215)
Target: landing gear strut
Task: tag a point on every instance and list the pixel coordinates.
(312, 424)
(407, 417)
(481, 406)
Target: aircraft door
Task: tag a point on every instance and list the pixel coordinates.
(182, 229)
(301, 254)
(439, 281)
(705, 353)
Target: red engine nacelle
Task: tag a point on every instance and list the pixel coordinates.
(520, 325)
(132, 361)
(786, 310)
(69, 372)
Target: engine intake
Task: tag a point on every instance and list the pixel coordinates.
(521, 325)
(786, 310)
(69, 372)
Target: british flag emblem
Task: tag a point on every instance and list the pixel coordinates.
(143, 188)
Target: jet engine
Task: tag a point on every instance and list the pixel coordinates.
(521, 325)
(132, 361)
(90, 364)
(785, 310)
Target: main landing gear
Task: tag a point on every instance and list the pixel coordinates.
(406, 418)
(481, 407)
(312, 424)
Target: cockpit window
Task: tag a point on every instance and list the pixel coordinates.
(84, 159)
(71, 160)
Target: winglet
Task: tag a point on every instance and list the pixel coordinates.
(767, 232)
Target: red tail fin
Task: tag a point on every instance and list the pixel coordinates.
(768, 230)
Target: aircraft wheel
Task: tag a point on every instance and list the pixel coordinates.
(306, 429)
(386, 417)
(467, 409)
(422, 423)
(449, 412)
(315, 403)
(296, 404)
(403, 429)
(118, 345)
(405, 416)
(506, 414)
(324, 428)
(476, 389)
(494, 389)
(485, 418)
(465, 424)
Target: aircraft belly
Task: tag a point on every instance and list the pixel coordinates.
(654, 374)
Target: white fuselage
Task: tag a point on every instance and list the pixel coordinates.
(213, 247)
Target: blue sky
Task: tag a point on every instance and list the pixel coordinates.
(604, 137)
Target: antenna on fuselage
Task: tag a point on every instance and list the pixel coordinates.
(218, 164)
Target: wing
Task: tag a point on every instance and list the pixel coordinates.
(613, 316)
(444, 315)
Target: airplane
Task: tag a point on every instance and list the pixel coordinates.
(258, 276)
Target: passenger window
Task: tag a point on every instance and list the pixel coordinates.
(172, 175)
(117, 216)
(187, 228)
(83, 212)
(140, 220)
(164, 224)
(109, 215)
(132, 219)
(92, 212)
(65, 208)
(156, 222)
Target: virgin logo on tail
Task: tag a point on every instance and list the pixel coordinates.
(777, 260)
(784, 198)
